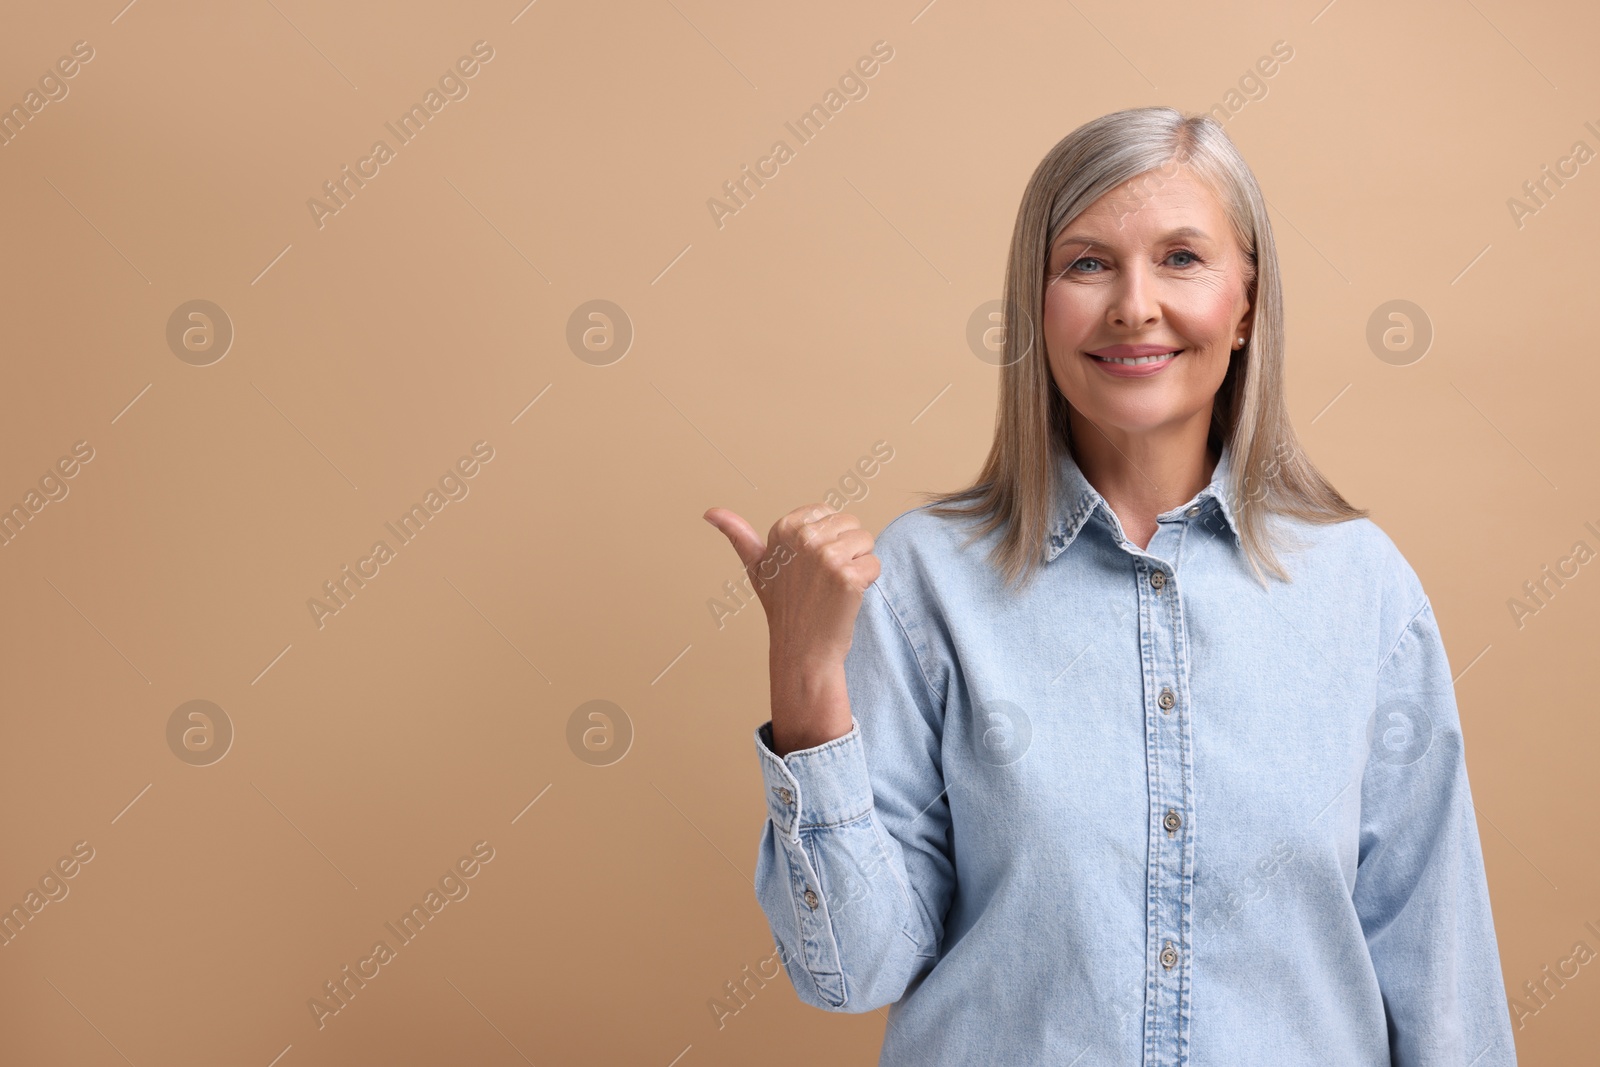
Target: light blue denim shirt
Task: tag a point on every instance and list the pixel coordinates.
(1145, 812)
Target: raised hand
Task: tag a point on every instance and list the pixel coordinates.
(810, 574)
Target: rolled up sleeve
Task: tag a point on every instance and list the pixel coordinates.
(855, 922)
(1420, 889)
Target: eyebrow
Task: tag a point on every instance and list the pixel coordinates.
(1170, 235)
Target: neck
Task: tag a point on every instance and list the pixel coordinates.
(1144, 474)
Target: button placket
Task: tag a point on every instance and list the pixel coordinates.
(1169, 770)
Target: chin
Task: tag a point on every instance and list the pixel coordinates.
(1138, 419)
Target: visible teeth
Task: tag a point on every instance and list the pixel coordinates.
(1134, 362)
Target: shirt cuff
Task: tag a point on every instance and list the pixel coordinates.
(826, 785)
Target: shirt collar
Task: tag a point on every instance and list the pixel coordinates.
(1077, 500)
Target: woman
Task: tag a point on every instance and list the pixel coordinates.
(1074, 767)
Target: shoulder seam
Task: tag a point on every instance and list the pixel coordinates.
(1403, 630)
(916, 656)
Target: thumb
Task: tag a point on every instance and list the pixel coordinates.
(751, 548)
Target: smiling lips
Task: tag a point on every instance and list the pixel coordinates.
(1134, 361)
(1134, 355)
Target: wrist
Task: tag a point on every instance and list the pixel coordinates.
(810, 705)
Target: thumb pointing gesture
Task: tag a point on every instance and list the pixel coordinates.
(810, 573)
(746, 541)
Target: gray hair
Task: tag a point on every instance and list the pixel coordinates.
(1270, 474)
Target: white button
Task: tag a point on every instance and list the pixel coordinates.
(1192, 512)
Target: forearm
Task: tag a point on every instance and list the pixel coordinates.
(810, 702)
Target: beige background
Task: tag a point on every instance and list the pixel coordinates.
(768, 356)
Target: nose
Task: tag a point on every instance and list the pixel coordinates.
(1133, 305)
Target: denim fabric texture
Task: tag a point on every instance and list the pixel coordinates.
(1147, 811)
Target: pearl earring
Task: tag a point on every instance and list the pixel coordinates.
(1241, 340)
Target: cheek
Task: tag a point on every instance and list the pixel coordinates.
(1062, 335)
(1216, 323)
(1206, 315)
(1068, 317)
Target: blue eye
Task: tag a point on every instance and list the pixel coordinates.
(1078, 265)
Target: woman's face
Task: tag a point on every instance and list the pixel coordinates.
(1155, 264)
